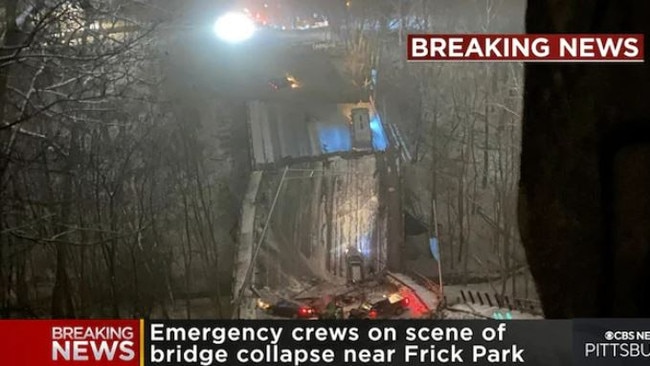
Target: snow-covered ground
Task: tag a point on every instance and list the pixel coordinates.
(422, 301)
(454, 295)
(453, 291)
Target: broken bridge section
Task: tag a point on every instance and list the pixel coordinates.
(316, 196)
(306, 218)
(280, 132)
(323, 209)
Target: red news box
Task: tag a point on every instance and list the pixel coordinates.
(526, 47)
(70, 342)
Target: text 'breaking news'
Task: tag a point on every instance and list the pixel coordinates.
(526, 47)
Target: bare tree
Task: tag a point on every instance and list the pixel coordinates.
(462, 124)
(102, 184)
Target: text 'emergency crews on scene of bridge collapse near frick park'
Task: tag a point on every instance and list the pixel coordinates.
(526, 47)
(376, 345)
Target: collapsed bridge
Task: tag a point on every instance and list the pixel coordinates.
(307, 206)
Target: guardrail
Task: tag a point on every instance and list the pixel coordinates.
(503, 301)
(481, 298)
(401, 145)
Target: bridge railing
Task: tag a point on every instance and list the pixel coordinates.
(393, 132)
(501, 301)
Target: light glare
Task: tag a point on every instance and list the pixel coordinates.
(234, 27)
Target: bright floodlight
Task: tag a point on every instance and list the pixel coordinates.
(234, 27)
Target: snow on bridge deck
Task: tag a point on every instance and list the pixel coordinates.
(280, 131)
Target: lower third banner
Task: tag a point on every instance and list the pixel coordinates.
(298, 343)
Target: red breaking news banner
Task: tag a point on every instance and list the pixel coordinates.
(526, 47)
(71, 342)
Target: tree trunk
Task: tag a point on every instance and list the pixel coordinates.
(62, 297)
(11, 38)
(572, 204)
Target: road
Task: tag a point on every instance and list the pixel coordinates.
(241, 71)
(291, 123)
